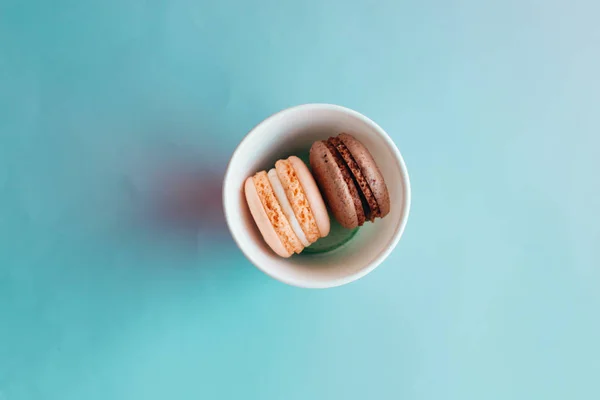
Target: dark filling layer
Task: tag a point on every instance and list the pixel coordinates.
(371, 207)
(349, 180)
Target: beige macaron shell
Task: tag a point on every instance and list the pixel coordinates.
(298, 200)
(311, 190)
(369, 169)
(274, 212)
(262, 220)
(286, 207)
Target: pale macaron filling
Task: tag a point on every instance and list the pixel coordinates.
(286, 206)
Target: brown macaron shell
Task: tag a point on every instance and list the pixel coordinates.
(332, 184)
(349, 180)
(371, 208)
(369, 170)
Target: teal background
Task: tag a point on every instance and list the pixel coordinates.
(115, 285)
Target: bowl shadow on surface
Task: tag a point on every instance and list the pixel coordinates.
(185, 203)
(171, 193)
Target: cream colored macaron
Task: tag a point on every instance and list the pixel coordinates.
(287, 206)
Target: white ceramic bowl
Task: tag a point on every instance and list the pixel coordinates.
(292, 132)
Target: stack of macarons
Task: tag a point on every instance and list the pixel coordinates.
(288, 206)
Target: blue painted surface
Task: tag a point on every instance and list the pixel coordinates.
(112, 111)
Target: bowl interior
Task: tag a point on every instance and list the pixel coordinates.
(292, 132)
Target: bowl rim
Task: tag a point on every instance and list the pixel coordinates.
(398, 230)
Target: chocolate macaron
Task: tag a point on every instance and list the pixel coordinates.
(350, 180)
